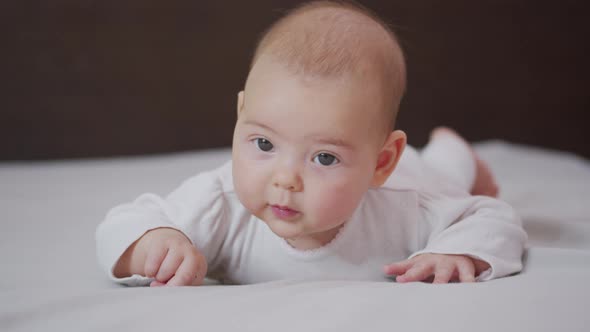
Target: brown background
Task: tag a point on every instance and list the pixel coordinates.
(100, 78)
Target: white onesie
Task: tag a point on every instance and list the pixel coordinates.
(423, 207)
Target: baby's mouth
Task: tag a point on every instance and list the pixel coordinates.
(284, 212)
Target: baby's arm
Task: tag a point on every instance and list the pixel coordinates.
(193, 215)
(463, 237)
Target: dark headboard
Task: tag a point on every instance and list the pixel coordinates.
(100, 78)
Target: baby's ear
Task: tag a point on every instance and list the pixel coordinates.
(389, 157)
(240, 101)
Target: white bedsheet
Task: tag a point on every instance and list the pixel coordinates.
(49, 279)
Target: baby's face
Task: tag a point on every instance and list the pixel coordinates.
(304, 151)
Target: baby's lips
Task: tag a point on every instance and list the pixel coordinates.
(283, 212)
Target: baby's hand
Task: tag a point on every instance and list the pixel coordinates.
(166, 255)
(444, 268)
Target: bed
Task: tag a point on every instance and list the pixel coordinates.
(51, 281)
(103, 100)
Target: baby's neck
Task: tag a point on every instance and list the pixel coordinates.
(314, 241)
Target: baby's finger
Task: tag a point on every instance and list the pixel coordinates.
(398, 268)
(156, 283)
(416, 273)
(201, 271)
(186, 272)
(443, 273)
(154, 258)
(169, 265)
(466, 270)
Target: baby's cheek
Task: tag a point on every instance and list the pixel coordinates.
(247, 189)
(336, 205)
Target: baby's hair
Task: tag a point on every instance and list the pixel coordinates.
(331, 38)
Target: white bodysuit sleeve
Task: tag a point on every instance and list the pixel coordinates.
(196, 208)
(477, 226)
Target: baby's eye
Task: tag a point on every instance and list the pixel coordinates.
(325, 159)
(263, 144)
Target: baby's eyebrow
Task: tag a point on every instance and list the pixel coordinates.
(258, 124)
(333, 141)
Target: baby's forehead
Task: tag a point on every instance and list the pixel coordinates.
(276, 94)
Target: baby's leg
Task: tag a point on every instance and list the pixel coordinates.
(453, 157)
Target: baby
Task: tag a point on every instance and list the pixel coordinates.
(311, 191)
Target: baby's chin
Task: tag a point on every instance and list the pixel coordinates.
(284, 229)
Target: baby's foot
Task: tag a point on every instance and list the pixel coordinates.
(485, 183)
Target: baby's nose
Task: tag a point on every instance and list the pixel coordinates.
(288, 179)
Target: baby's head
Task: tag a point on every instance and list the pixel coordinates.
(315, 120)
